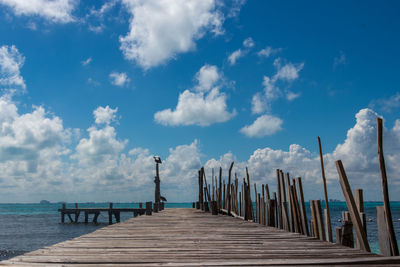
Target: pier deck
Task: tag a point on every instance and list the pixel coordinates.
(190, 237)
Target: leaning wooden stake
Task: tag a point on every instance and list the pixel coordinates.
(351, 205)
(328, 215)
(385, 191)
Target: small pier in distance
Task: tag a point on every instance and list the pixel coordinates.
(192, 237)
(111, 211)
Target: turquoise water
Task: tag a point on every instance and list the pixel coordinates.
(27, 227)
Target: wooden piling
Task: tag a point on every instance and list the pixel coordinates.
(303, 211)
(347, 237)
(278, 177)
(250, 204)
(385, 192)
(328, 215)
(290, 204)
(319, 221)
(149, 207)
(110, 214)
(255, 199)
(355, 218)
(314, 225)
(229, 189)
(383, 234)
(358, 198)
(63, 213)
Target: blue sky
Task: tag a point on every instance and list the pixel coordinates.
(93, 89)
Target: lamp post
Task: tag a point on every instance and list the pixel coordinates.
(157, 181)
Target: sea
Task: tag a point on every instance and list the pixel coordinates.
(27, 227)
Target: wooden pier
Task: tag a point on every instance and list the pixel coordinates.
(191, 237)
(111, 211)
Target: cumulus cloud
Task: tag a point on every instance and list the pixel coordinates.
(207, 77)
(31, 147)
(119, 78)
(358, 153)
(11, 61)
(160, 30)
(204, 106)
(105, 115)
(101, 145)
(59, 11)
(35, 147)
(262, 126)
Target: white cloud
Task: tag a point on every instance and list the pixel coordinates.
(159, 30)
(119, 78)
(95, 17)
(268, 51)
(107, 6)
(262, 126)
(235, 56)
(101, 146)
(105, 115)
(387, 104)
(258, 104)
(11, 61)
(33, 165)
(288, 72)
(54, 10)
(203, 107)
(290, 96)
(248, 43)
(235, 7)
(207, 77)
(86, 62)
(358, 153)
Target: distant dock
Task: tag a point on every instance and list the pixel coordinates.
(74, 213)
(191, 237)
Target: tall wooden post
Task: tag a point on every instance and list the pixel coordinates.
(229, 195)
(278, 176)
(328, 214)
(385, 191)
(303, 211)
(220, 189)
